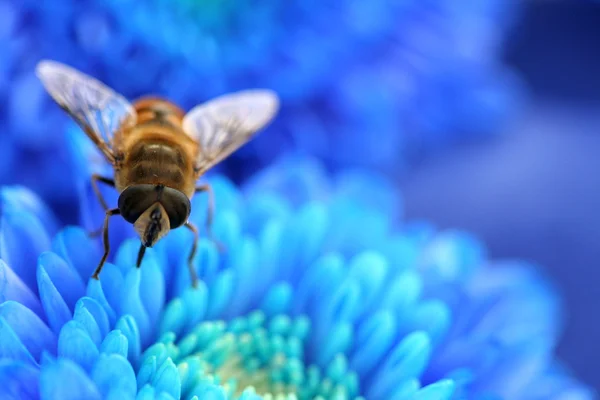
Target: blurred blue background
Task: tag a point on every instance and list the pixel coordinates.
(535, 192)
(486, 112)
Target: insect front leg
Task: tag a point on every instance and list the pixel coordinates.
(140, 256)
(109, 213)
(210, 210)
(95, 179)
(193, 275)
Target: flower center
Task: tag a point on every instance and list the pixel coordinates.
(255, 355)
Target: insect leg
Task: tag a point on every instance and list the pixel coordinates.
(107, 181)
(193, 275)
(210, 213)
(110, 182)
(109, 213)
(140, 256)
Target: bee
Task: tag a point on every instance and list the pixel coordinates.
(157, 151)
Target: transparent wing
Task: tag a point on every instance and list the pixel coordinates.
(224, 124)
(98, 109)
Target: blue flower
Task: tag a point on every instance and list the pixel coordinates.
(323, 292)
(367, 84)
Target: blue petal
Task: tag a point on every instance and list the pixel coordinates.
(370, 270)
(114, 375)
(65, 278)
(243, 261)
(304, 237)
(88, 322)
(152, 283)
(115, 343)
(335, 340)
(96, 293)
(13, 288)
(95, 310)
(22, 239)
(374, 338)
(132, 305)
(54, 305)
(196, 303)
(174, 318)
(21, 199)
(129, 329)
(55, 375)
(75, 343)
(19, 380)
(277, 300)
(11, 347)
(112, 280)
(406, 361)
(321, 276)
(75, 246)
(30, 329)
(441, 390)
(146, 393)
(434, 318)
(220, 292)
(167, 379)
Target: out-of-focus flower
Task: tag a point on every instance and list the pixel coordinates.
(361, 83)
(323, 291)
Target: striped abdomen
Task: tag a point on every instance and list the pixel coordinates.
(156, 150)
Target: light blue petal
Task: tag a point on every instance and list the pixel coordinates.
(95, 309)
(11, 347)
(88, 322)
(55, 375)
(373, 339)
(227, 229)
(113, 376)
(115, 343)
(19, 380)
(196, 303)
(96, 293)
(304, 237)
(20, 199)
(334, 340)
(243, 261)
(407, 360)
(321, 276)
(56, 308)
(167, 379)
(370, 270)
(442, 390)
(75, 343)
(174, 317)
(434, 318)
(31, 330)
(220, 291)
(65, 278)
(112, 281)
(13, 288)
(131, 304)
(75, 246)
(146, 393)
(152, 284)
(147, 371)
(129, 329)
(22, 239)
(277, 300)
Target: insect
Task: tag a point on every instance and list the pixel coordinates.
(157, 151)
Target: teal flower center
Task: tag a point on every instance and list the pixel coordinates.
(253, 355)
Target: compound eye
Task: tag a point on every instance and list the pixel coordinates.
(177, 205)
(136, 199)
